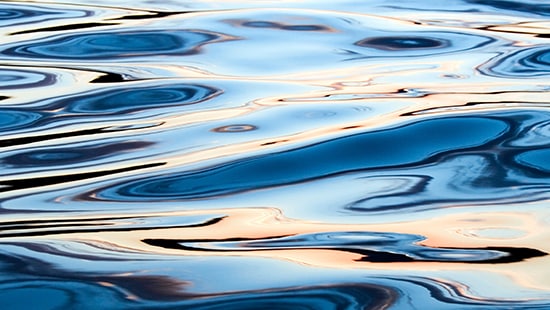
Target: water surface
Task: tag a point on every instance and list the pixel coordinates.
(274, 154)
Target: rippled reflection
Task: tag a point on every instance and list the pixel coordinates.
(411, 44)
(127, 100)
(415, 143)
(274, 154)
(17, 79)
(375, 247)
(68, 156)
(529, 6)
(403, 43)
(16, 14)
(105, 46)
(526, 63)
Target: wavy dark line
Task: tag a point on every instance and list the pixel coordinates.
(518, 6)
(151, 15)
(177, 244)
(77, 133)
(116, 45)
(42, 157)
(11, 185)
(375, 247)
(94, 230)
(40, 138)
(64, 28)
(24, 223)
(341, 296)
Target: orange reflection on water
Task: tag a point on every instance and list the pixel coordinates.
(462, 229)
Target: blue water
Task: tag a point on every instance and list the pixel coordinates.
(306, 154)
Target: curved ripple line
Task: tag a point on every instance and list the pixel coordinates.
(18, 79)
(531, 62)
(338, 296)
(116, 45)
(526, 6)
(44, 157)
(16, 14)
(11, 119)
(117, 102)
(132, 99)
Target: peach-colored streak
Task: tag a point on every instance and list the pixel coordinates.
(445, 231)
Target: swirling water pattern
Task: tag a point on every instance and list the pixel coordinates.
(274, 154)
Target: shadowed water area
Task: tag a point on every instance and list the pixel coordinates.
(275, 154)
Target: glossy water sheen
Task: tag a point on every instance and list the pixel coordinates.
(275, 154)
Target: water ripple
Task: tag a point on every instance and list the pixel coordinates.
(19, 79)
(533, 62)
(373, 246)
(16, 14)
(116, 45)
(13, 119)
(128, 100)
(413, 143)
(420, 43)
(529, 6)
(245, 154)
(70, 155)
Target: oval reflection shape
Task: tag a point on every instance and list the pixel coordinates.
(403, 43)
(279, 26)
(17, 79)
(235, 128)
(139, 98)
(261, 24)
(399, 44)
(115, 45)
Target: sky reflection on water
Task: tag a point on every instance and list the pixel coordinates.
(274, 154)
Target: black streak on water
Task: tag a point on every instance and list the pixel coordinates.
(10, 185)
(74, 228)
(507, 254)
(64, 28)
(110, 77)
(151, 15)
(39, 138)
